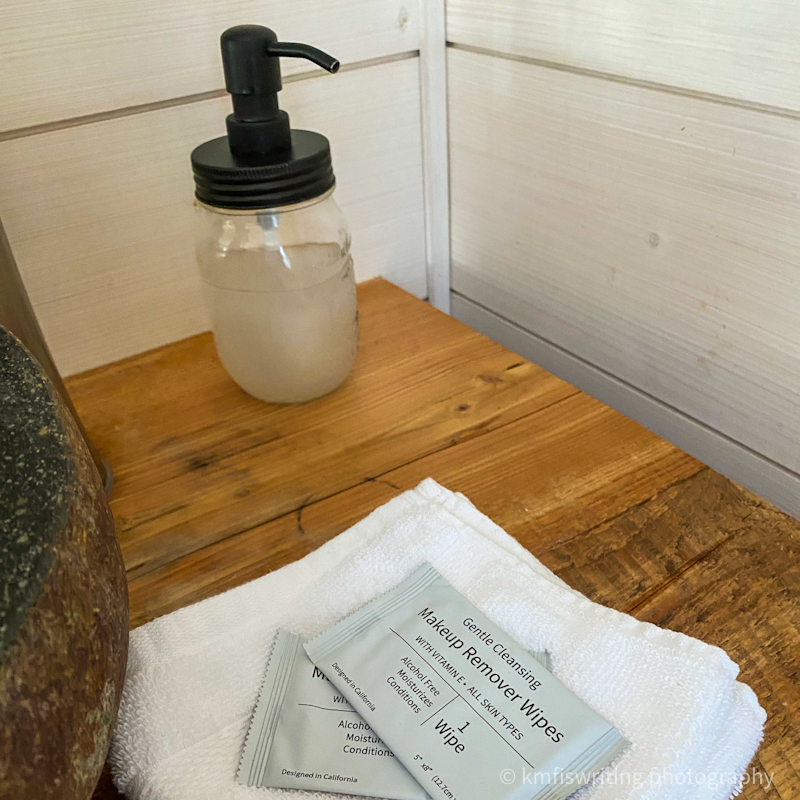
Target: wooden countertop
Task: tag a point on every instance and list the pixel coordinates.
(214, 488)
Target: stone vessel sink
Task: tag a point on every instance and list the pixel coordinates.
(63, 594)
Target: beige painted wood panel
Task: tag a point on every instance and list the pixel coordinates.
(68, 58)
(741, 49)
(99, 216)
(657, 236)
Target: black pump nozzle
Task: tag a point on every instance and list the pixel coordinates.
(295, 50)
(251, 61)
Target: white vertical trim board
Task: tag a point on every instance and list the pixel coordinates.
(775, 483)
(433, 98)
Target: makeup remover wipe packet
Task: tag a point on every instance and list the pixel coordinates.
(468, 711)
(305, 735)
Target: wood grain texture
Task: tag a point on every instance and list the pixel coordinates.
(737, 49)
(69, 59)
(653, 235)
(525, 475)
(710, 559)
(100, 216)
(616, 511)
(228, 462)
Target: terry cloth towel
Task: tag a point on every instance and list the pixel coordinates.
(193, 675)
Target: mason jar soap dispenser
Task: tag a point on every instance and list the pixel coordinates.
(273, 247)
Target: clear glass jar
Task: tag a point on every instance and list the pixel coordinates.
(280, 291)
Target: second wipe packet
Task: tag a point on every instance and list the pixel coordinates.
(305, 735)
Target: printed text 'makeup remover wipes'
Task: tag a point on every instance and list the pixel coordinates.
(462, 705)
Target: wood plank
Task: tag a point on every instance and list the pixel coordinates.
(653, 235)
(128, 406)
(736, 49)
(207, 461)
(546, 478)
(62, 60)
(616, 511)
(100, 216)
(742, 594)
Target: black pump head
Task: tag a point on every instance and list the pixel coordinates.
(251, 61)
(261, 163)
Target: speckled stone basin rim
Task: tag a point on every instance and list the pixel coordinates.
(63, 594)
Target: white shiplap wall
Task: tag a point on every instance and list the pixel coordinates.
(625, 188)
(98, 208)
(67, 58)
(741, 50)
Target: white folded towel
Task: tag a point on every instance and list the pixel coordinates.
(193, 675)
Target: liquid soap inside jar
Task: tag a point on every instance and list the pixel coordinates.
(281, 296)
